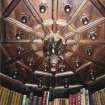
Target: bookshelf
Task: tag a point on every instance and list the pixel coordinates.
(52, 58)
(57, 95)
(52, 97)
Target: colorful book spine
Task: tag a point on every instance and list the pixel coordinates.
(39, 101)
(87, 97)
(35, 100)
(31, 98)
(47, 98)
(83, 98)
(7, 97)
(70, 99)
(44, 98)
(24, 99)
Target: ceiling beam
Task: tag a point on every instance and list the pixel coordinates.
(69, 42)
(64, 74)
(95, 61)
(83, 66)
(98, 79)
(77, 76)
(10, 79)
(82, 42)
(84, 28)
(70, 87)
(10, 8)
(42, 73)
(23, 65)
(18, 24)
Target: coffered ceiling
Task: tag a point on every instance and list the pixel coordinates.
(25, 30)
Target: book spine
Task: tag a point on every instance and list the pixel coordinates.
(4, 96)
(70, 99)
(35, 100)
(94, 99)
(12, 98)
(1, 90)
(102, 97)
(67, 101)
(24, 99)
(47, 98)
(87, 97)
(98, 98)
(39, 101)
(74, 99)
(31, 98)
(79, 99)
(7, 98)
(21, 99)
(15, 100)
(83, 99)
(44, 98)
(27, 101)
(18, 98)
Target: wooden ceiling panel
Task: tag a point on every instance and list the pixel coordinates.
(99, 30)
(103, 2)
(4, 4)
(90, 11)
(73, 32)
(20, 11)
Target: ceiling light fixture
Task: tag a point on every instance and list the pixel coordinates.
(66, 83)
(84, 19)
(19, 50)
(30, 61)
(92, 76)
(43, 7)
(15, 74)
(67, 6)
(77, 62)
(24, 19)
(19, 35)
(92, 35)
(89, 51)
(39, 83)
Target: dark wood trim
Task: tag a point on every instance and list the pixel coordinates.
(2, 30)
(99, 6)
(10, 8)
(18, 24)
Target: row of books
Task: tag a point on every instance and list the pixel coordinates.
(10, 97)
(80, 98)
(99, 97)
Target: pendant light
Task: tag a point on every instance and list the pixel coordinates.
(42, 7)
(84, 19)
(67, 6)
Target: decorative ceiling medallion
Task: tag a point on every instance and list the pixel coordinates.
(48, 22)
(61, 22)
(56, 37)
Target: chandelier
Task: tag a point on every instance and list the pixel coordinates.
(54, 49)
